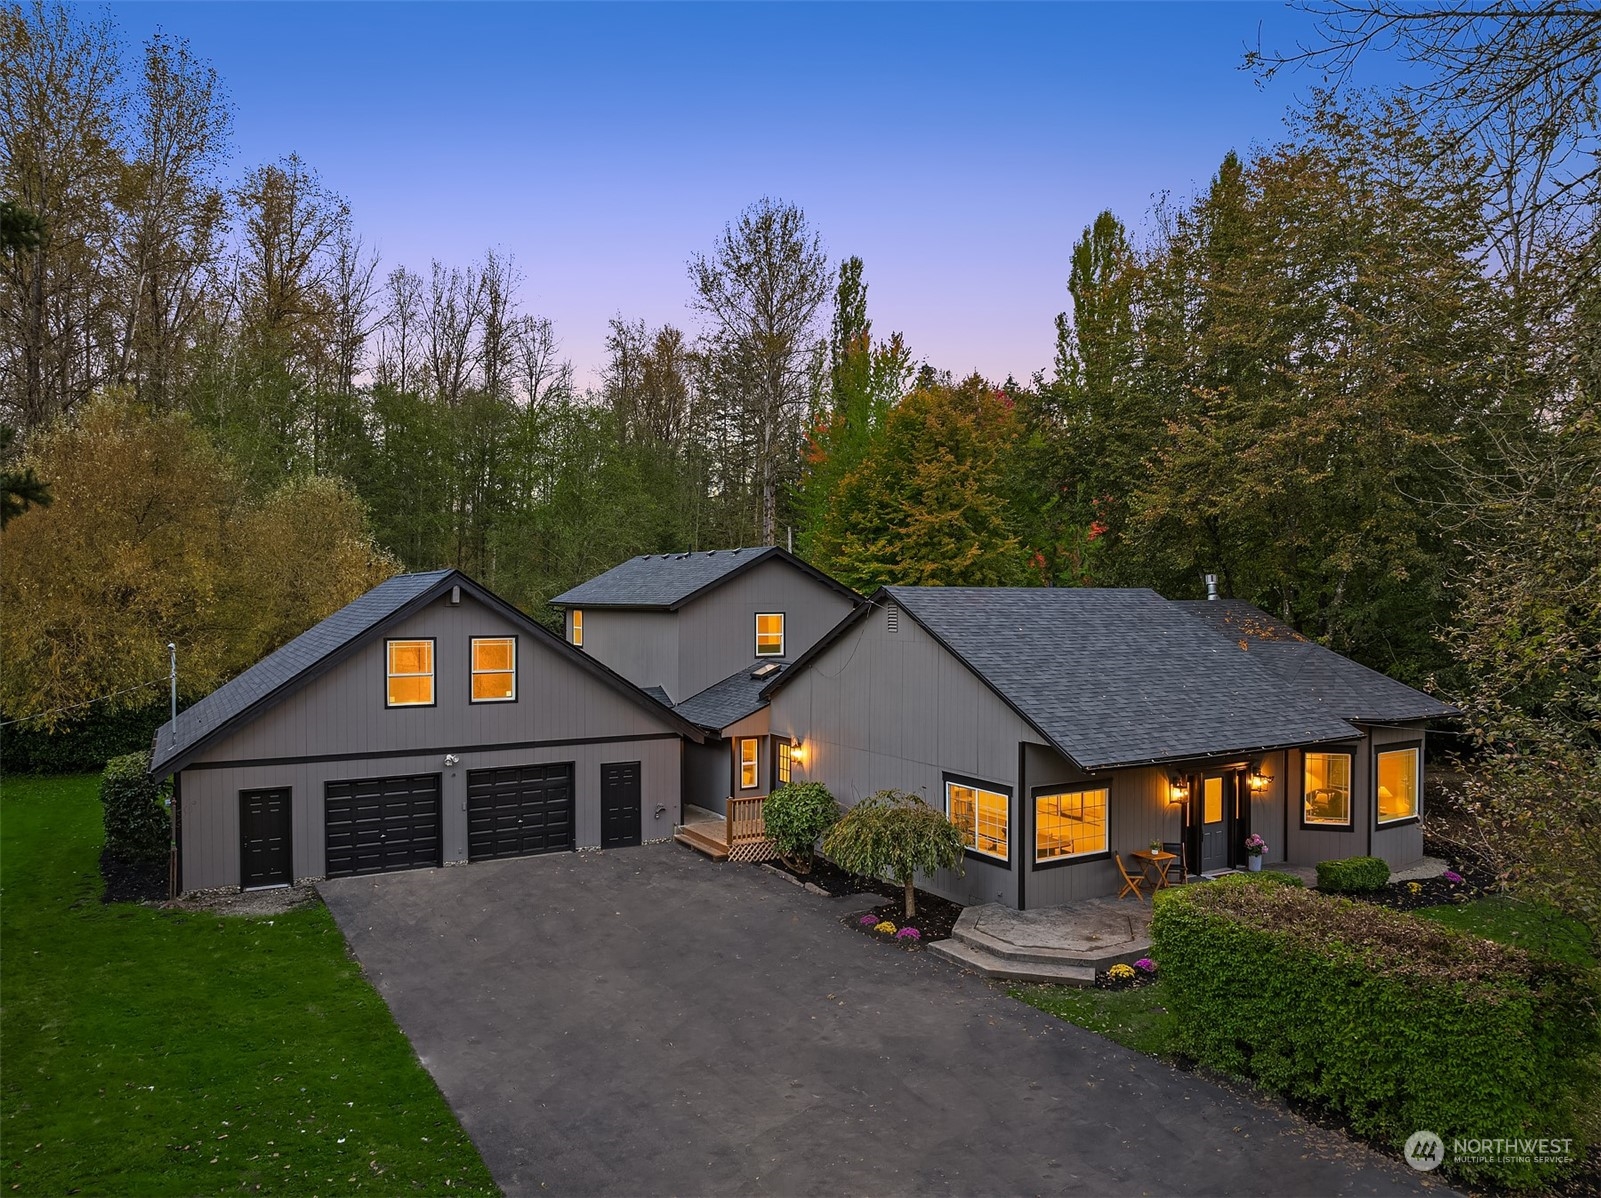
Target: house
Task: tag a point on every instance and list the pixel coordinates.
(428, 722)
(704, 633)
(1059, 726)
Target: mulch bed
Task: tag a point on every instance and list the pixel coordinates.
(132, 881)
(1105, 981)
(834, 881)
(934, 920)
(1477, 880)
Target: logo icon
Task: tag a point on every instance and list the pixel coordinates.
(1424, 1151)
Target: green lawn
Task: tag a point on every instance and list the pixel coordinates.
(155, 1052)
(1134, 1018)
(1533, 926)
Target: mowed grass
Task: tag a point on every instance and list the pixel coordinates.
(1535, 926)
(157, 1052)
(1134, 1018)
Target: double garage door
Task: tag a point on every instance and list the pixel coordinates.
(380, 824)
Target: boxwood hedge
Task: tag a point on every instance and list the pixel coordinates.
(1395, 1023)
(1352, 875)
(138, 827)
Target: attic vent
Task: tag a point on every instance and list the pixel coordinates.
(766, 670)
(892, 618)
(455, 597)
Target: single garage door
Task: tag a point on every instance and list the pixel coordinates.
(519, 810)
(380, 824)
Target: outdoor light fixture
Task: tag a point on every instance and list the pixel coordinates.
(1178, 789)
(1256, 779)
(797, 752)
(450, 760)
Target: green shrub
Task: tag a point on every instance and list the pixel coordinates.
(1393, 1022)
(795, 815)
(895, 834)
(1353, 875)
(137, 826)
(1267, 877)
(78, 745)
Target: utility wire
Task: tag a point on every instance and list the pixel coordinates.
(39, 715)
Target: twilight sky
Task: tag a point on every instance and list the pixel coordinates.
(959, 150)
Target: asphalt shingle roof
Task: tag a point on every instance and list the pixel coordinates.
(1119, 677)
(285, 664)
(669, 579)
(722, 703)
(1346, 688)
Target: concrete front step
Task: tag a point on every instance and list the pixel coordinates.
(1094, 933)
(1003, 970)
(1033, 955)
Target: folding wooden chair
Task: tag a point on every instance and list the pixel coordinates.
(1130, 883)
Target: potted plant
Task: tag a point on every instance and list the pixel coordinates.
(1255, 846)
(1156, 846)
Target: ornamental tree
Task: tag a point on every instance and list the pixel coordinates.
(894, 834)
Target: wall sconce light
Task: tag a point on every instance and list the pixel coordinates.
(797, 752)
(1178, 789)
(450, 760)
(1257, 780)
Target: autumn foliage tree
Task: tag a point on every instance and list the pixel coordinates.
(152, 538)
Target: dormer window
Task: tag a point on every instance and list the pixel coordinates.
(770, 634)
(578, 628)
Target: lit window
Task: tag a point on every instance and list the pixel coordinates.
(770, 634)
(411, 673)
(494, 669)
(747, 764)
(1070, 824)
(784, 760)
(1212, 801)
(982, 816)
(578, 629)
(1398, 784)
(1327, 789)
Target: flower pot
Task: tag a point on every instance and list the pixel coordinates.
(1254, 863)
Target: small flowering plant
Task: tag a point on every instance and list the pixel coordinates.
(1414, 887)
(868, 920)
(1255, 845)
(1452, 877)
(908, 934)
(1120, 972)
(884, 926)
(1145, 965)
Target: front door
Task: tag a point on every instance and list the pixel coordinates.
(619, 804)
(1215, 807)
(264, 842)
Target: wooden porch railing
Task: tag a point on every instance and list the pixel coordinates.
(747, 832)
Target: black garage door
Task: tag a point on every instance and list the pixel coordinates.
(519, 810)
(379, 824)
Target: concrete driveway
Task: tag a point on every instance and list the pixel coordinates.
(645, 1021)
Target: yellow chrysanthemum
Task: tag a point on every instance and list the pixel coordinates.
(1121, 972)
(884, 925)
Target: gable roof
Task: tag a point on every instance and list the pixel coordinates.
(667, 581)
(732, 699)
(325, 644)
(1110, 677)
(1345, 687)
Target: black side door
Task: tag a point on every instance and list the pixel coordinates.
(265, 845)
(619, 805)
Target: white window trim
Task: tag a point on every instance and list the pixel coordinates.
(1417, 784)
(576, 637)
(760, 652)
(1106, 844)
(473, 671)
(755, 762)
(974, 847)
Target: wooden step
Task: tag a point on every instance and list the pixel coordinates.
(700, 842)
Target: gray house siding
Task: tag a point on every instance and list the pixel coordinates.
(336, 726)
(1400, 844)
(717, 631)
(642, 646)
(706, 776)
(882, 710)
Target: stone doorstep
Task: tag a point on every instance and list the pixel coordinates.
(968, 957)
(1126, 952)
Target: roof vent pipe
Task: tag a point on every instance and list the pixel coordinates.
(1211, 586)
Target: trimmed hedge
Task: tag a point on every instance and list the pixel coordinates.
(1393, 1022)
(795, 815)
(1353, 875)
(79, 745)
(138, 827)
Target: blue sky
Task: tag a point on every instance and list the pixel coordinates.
(958, 149)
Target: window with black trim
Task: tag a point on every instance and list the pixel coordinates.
(982, 816)
(748, 748)
(410, 673)
(1326, 790)
(494, 669)
(1398, 783)
(1070, 823)
(770, 634)
(785, 760)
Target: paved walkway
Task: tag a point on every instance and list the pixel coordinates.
(646, 1021)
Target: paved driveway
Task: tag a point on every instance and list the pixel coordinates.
(644, 1021)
